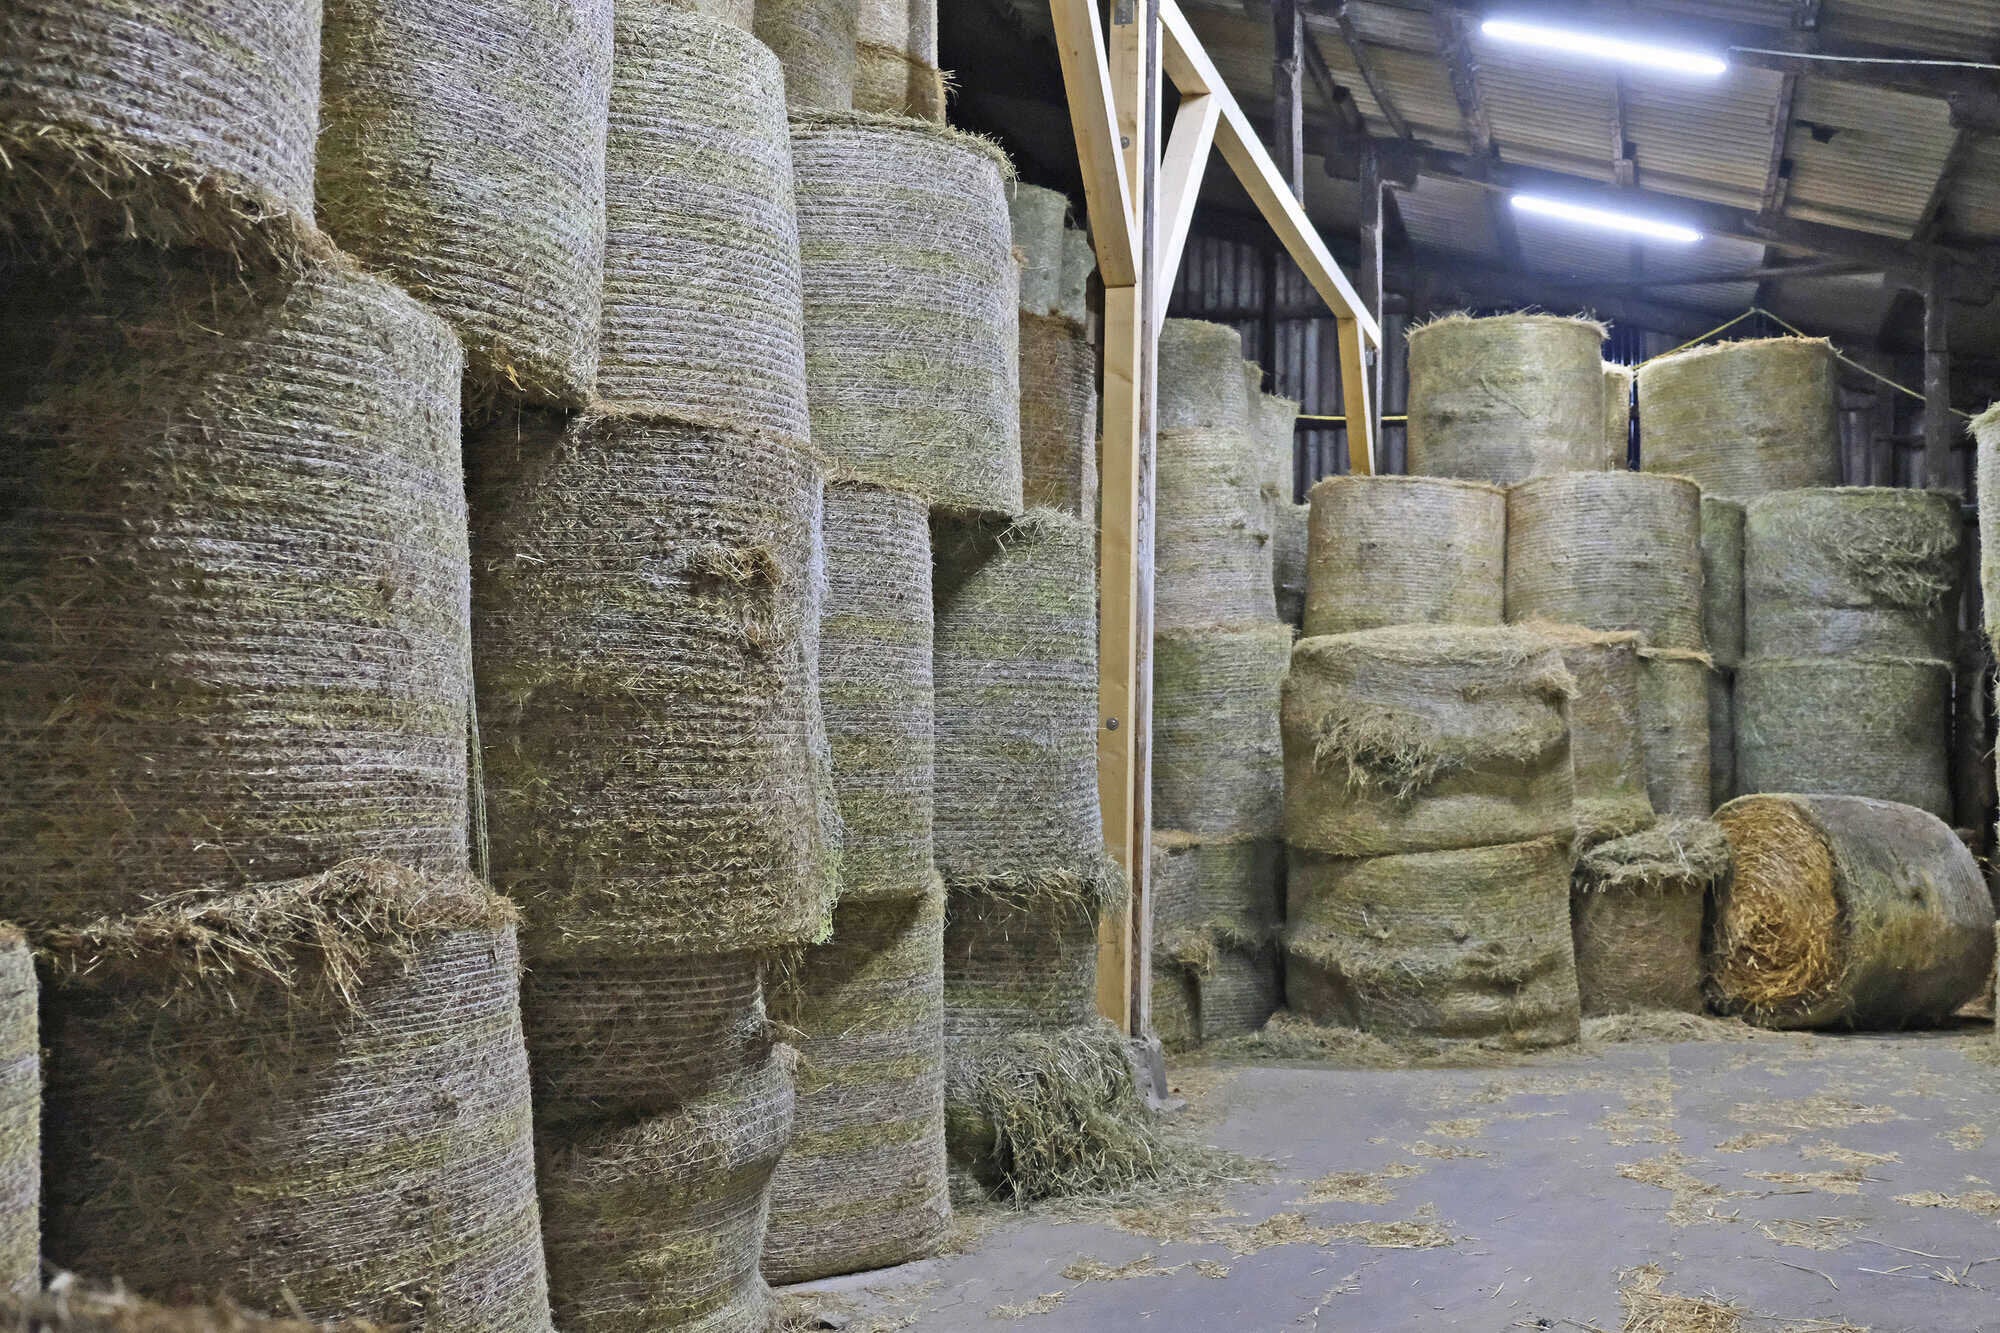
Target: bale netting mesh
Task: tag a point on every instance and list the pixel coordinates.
(233, 554)
(461, 152)
(20, 1117)
(1274, 421)
(1857, 726)
(1846, 912)
(703, 304)
(1743, 418)
(1986, 436)
(876, 689)
(1218, 759)
(1016, 672)
(1215, 914)
(1866, 571)
(1390, 550)
(1079, 264)
(1058, 416)
(1637, 905)
(647, 595)
(912, 359)
(1021, 960)
(1673, 729)
(173, 121)
(312, 1095)
(1289, 546)
(1606, 745)
(1038, 216)
(862, 1183)
(1506, 398)
(70, 1308)
(1471, 943)
(896, 55)
(1617, 416)
(1722, 578)
(658, 1222)
(1610, 550)
(1721, 735)
(1201, 378)
(1426, 738)
(1231, 993)
(1212, 562)
(814, 42)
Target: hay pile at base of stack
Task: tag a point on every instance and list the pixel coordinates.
(896, 71)
(1215, 919)
(1742, 419)
(1637, 904)
(1390, 550)
(814, 41)
(1506, 398)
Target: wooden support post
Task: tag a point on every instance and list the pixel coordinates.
(1940, 428)
(1368, 277)
(1288, 94)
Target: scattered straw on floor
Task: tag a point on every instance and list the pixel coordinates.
(1822, 1110)
(1751, 1140)
(1848, 1180)
(1985, 1202)
(1814, 1233)
(1045, 1303)
(1358, 1186)
(1824, 1151)
(1096, 1270)
(1444, 1152)
(1966, 1138)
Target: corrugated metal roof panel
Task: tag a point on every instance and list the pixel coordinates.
(1393, 25)
(1556, 112)
(1838, 307)
(1974, 206)
(1708, 139)
(1448, 215)
(1961, 29)
(1877, 169)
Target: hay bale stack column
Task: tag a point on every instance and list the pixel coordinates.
(896, 71)
(1506, 398)
(1058, 371)
(1743, 419)
(1722, 624)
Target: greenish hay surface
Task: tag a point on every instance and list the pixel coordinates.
(20, 1117)
(1058, 415)
(1201, 381)
(1890, 741)
(1213, 560)
(1743, 418)
(1610, 550)
(1394, 550)
(1218, 756)
(1505, 398)
(814, 41)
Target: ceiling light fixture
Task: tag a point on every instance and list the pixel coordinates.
(1606, 219)
(1596, 46)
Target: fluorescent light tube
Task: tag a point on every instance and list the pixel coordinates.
(1606, 219)
(1599, 47)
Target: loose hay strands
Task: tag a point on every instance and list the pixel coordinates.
(814, 41)
(1201, 377)
(910, 289)
(69, 1308)
(1722, 578)
(1617, 416)
(1459, 944)
(659, 1223)
(20, 1117)
(232, 582)
(313, 1095)
(647, 606)
(1743, 418)
(1673, 726)
(1424, 738)
(1289, 545)
(896, 71)
(862, 1183)
(1212, 532)
(1606, 745)
(1610, 550)
(1218, 758)
(1506, 398)
(1637, 905)
(1037, 216)
(1845, 911)
(703, 305)
(1404, 551)
(1058, 416)
(1862, 726)
(461, 152)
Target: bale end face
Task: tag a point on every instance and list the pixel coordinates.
(1775, 939)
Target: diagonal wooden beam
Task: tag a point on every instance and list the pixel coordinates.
(1107, 187)
(1454, 34)
(1181, 169)
(1378, 87)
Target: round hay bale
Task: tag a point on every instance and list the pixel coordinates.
(896, 56)
(1606, 746)
(1079, 264)
(234, 566)
(20, 1117)
(1721, 736)
(862, 1183)
(876, 687)
(312, 1095)
(1609, 550)
(176, 121)
(703, 308)
(912, 359)
(1175, 1005)
(1392, 550)
(1210, 893)
(1673, 728)
(1218, 760)
(83, 1310)
(1020, 960)
(1859, 726)
(1506, 398)
(1038, 216)
(1617, 416)
(1637, 903)
(1426, 738)
(646, 610)
(1722, 578)
(1288, 561)
(814, 41)
(461, 152)
(1212, 561)
(1232, 993)
(1275, 421)
(1743, 418)
(1861, 571)
(1986, 435)
(1201, 379)
(1058, 416)
(1847, 912)
(1462, 944)
(659, 1223)
(1016, 669)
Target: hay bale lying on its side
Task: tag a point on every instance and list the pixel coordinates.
(703, 308)
(1743, 418)
(1857, 726)
(461, 152)
(1506, 398)
(1471, 943)
(1721, 736)
(896, 57)
(234, 573)
(1288, 561)
(912, 362)
(1423, 738)
(1211, 531)
(1847, 912)
(1610, 550)
(1853, 571)
(647, 602)
(659, 1223)
(1218, 759)
(1606, 743)
(1058, 416)
(69, 1309)
(1201, 378)
(1021, 960)
(20, 1117)
(312, 1095)
(1079, 264)
(1617, 416)
(1722, 578)
(1037, 216)
(1673, 727)
(1637, 903)
(1394, 550)
(862, 1182)
(814, 41)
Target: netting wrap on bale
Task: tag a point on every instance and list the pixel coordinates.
(1673, 728)
(1058, 416)
(1392, 550)
(896, 58)
(1215, 912)
(1851, 571)
(461, 152)
(1471, 943)
(1722, 578)
(20, 1117)
(862, 1182)
(1289, 546)
(1020, 960)
(1037, 216)
(1274, 423)
(1424, 738)
(1617, 416)
(1743, 418)
(1986, 434)
(1721, 735)
(659, 1222)
(1233, 993)
(1606, 743)
(70, 1309)
(1858, 726)
(1846, 912)
(232, 583)
(312, 1095)
(646, 608)
(1218, 760)
(1079, 264)
(703, 307)
(1212, 561)
(1201, 378)
(814, 41)
(1506, 398)
(910, 290)
(1637, 905)
(1610, 550)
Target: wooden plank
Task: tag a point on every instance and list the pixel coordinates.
(1093, 119)
(1181, 170)
(1356, 391)
(1288, 93)
(1119, 530)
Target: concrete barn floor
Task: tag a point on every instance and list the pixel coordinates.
(1826, 1184)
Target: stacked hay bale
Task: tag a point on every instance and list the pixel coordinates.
(1743, 419)
(1058, 371)
(895, 68)
(1638, 906)
(1394, 550)
(1722, 623)
(1617, 416)
(1506, 398)
(815, 42)
(20, 1117)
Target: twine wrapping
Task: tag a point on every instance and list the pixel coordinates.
(1289, 546)
(20, 1118)
(1393, 550)
(1218, 759)
(1743, 418)
(1019, 960)
(1506, 398)
(1201, 379)
(814, 41)
(1274, 422)
(1606, 743)
(1608, 550)
(1038, 218)
(1233, 994)
(1857, 726)
(1215, 912)
(1058, 416)
(1079, 266)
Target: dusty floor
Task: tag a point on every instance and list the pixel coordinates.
(1811, 1183)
